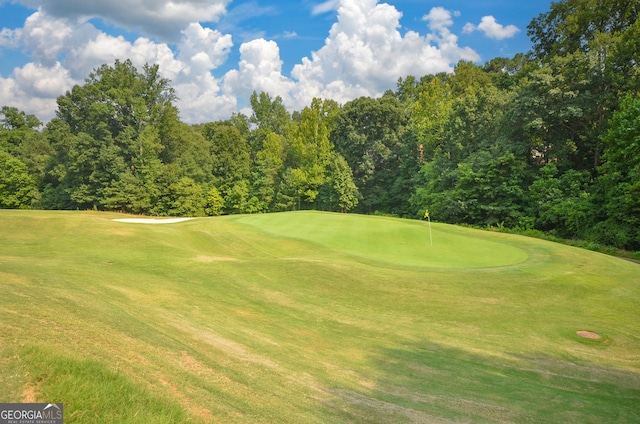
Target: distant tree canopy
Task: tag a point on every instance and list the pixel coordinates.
(546, 140)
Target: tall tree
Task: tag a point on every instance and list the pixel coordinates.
(17, 189)
(620, 177)
(107, 137)
(594, 40)
(473, 172)
(269, 116)
(20, 137)
(116, 98)
(339, 192)
(267, 173)
(429, 113)
(310, 149)
(14, 119)
(229, 153)
(550, 116)
(561, 203)
(368, 134)
(574, 25)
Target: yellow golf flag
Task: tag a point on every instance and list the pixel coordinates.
(426, 213)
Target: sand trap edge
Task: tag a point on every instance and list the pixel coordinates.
(152, 220)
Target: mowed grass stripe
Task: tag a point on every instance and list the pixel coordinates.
(273, 318)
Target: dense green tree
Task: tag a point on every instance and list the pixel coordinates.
(620, 178)
(339, 192)
(469, 78)
(549, 117)
(293, 187)
(435, 190)
(17, 189)
(309, 149)
(490, 184)
(20, 137)
(117, 98)
(510, 73)
(80, 168)
(562, 203)
(574, 25)
(187, 148)
(237, 198)
(429, 113)
(269, 151)
(407, 89)
(181, 198)
(229, 153)
(268, 114)
(215, 202)
(230, 163)
(14, 119)
(109, 137)
(266, 172)
(595, 42)
(368, 134)
(128, 194)
(473, 172)
(622, 68)
(135, 189)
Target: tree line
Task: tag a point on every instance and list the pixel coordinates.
(548, 140)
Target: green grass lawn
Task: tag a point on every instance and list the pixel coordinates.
(312, 317)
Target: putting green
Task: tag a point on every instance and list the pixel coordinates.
(392, 242)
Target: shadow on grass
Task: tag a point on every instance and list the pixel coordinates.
(433, 384)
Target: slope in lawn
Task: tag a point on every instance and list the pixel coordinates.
(311, 317)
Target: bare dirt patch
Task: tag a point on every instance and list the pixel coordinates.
(197, 410)
(29, 393)
(230, 347)
(588, 334)
(203, 258)
(13, 279)
(191, 364)
(303, 260)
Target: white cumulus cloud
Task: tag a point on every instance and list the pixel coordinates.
(492, 29)
(160, 18)
(35, 87)
(37, 80)
(440, 18)
(259, 69)
(204, 48)
(364, 54)
(43, 36)
(65, 51)
(325, 7)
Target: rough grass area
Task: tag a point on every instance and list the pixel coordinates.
(312, 317)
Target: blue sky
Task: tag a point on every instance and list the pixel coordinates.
(216, 52)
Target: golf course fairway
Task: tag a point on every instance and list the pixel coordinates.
(312, 317)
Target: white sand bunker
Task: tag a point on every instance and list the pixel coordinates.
(151, 220)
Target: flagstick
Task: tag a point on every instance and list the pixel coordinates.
(430, 237)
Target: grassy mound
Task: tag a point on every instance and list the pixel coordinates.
(311, 317)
